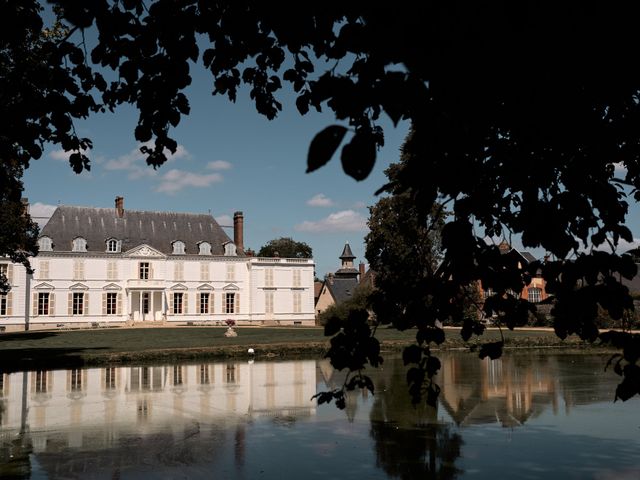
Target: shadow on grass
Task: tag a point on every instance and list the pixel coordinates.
(19, 359)
(8, 337)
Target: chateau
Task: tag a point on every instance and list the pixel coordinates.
(101, 266)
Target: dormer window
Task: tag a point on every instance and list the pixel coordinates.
(45, 244)
(204, 248)
(79, 245)
(178, 247)
(113, 245)
(230, 249)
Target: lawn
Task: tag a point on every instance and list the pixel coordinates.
(57, 349)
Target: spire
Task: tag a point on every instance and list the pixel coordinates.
(347, 269)
(347, 253)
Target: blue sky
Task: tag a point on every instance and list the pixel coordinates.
(229, 158)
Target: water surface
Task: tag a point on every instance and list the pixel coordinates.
(523, 416)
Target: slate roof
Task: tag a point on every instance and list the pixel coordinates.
(347, 253)
(342, 288)
(136, 227)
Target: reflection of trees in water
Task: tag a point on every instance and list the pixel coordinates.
(409, 441)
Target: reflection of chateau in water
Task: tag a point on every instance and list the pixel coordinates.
(515, 388)
(94, 408)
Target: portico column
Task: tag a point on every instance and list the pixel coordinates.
(130, 305)
(141, 294)
(153, 312)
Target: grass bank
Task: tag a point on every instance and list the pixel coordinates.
(69, 349)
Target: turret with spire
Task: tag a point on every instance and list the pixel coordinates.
(347, 270)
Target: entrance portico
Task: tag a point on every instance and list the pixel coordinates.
(147, 305)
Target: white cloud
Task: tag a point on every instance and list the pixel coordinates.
(62, 155)
(320, 200)
(175, 180)
(41, 212)
(224, 220)
(343, 221)
(219, 165)
(623, 246)
(359, 205)
(135, 162)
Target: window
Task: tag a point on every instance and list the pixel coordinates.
(110, 378)
(230, 303)
(230, 249)
(113, 246)
(204, 272)
(487, 293)
(178, 247)
(177, 303)
(535, 295)
(204, 248)
(79, 245)
(77, 306)
(45, 244)
(43, 271)
(296, 278)
(268, 277)
(5, 271)
(112, 270)
(204, 302)
(178, 271)
(231, 272)
(40, 381)
(143, 270)
(296, 302)
(268, 301)
(112, 303)
(5, 305)
(43, 303)
(76, 380)
(78, 270)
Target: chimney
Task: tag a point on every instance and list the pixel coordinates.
(361, 270)
(330, 278)
(238, 230)
(120, 207)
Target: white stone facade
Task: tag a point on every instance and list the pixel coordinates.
(101, 267)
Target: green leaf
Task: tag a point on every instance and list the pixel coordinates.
(323, 146)
(359, 156)
(412, 354)
(492, 350)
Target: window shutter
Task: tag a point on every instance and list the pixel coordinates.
(118, 303)
(70, 305)
(150, 271)
(236, 307)
(85, 303)
(10, 273)
(9, 311)
(52, 303)
(171, 303)
(34, 304)
(211, 302)
(104, 303)
(185, 303)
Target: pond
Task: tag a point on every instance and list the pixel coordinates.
(527, 415)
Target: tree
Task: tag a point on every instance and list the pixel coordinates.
(404, 250)
(285, 247)
(523, 119)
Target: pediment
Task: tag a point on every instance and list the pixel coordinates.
(205, 286)
(44, 286)
(78, 286)
(144, 251)
(112, 286)
(231, 286)
(179, 286)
